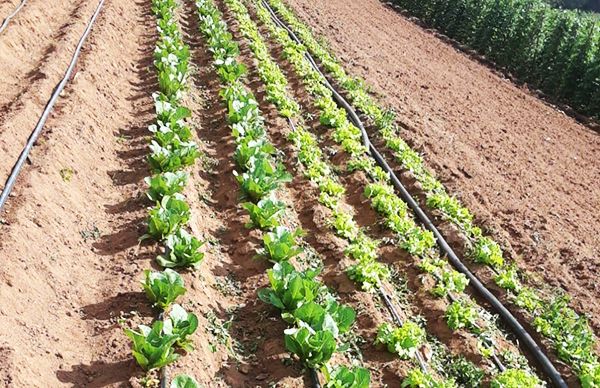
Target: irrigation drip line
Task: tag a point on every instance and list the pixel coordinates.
(522, 334)
(11, 15)
(10, 182)
(164, 371)
(314, 378)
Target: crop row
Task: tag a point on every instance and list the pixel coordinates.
(367, 272)
(462, 312)
(317, 322)
(172, 150)
(569, 331)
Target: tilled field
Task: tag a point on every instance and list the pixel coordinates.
(314, 267)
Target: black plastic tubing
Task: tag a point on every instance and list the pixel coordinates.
(10, 182)
(524, 337)
(12, 15)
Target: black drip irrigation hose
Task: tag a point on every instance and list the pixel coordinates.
(164, 371)
(12, 15)
(10, 182)
(314, 378)
(524, 337)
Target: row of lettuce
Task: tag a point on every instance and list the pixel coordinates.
(367, 271)
(316, 321)
(172, 150)
(462, 312)
(569, 332)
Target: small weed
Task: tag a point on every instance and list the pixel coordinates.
(121, 138)
(91, 233)
(353, 342)
(228, 285)
(208, 163)
(66, 174)
(219, 330)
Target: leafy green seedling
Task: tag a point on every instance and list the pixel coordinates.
(166, 217)
(182, 324)
(182, 251)
(165, 184)
(152, 348)
(265, 214)
(162, 288)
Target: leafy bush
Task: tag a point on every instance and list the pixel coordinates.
(553, 49)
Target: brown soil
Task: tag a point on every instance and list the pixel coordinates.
(527, 171)
(72, 261)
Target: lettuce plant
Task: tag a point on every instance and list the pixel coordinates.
(404, 341)
(171, 135)
(344, 377)
(182, 324)
(462, 314)
(173, 157)
(487, 251)
(280, 244)
(169, 114)
(251, 148)
(184, 381)
(314, 348)
(290, 289)
(515, 378)
(418, 379)
(168, 183)
(450, 281)
(262, 177)
(152, 347)
(166, 217)
(265, 214)
(331, 316)
(162, 288)
(182, 250)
